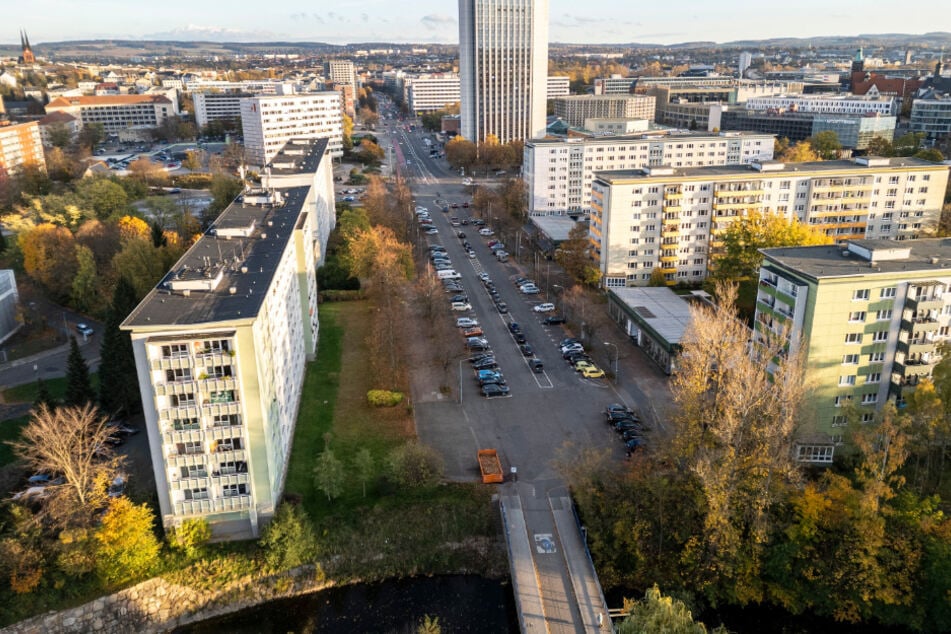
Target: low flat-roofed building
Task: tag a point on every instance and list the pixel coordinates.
(655, 319)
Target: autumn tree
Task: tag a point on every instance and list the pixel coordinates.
(659, 613)
(573, 256)
(880, 146)
(826, 144)
(127, 548)
(801, 152)
(49, 258)
(289, 540)
(86, 289)
(71, 442)
(329, 475)
(347, 132)
(148, 172)
(369, 152)
(737, 406)
(740, 257)
(106, 198)
(461, 153)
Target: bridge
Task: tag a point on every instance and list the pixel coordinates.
(556, 587)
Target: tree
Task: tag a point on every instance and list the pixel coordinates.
(49, 258)
(224, 189)
(369, 152)
(148, 172)
(329, 475)
(79, 390)
(826, 144)
(190, 536)
(930, 154)
(365, 466)
(58, 135)
(414, 465)
(127, 548)
(801, 152)
(659, 613)
(347, 132)
(737, 406)
(429, 625)
(91, 135)
(133, 228)
(740, 257)
(908, 144)
(880, 146)
(572, 256)
(72, 442)
(658, 277)
(105, 197)
(461, 153)
(118, 379)
(43, 396)
(85, 295)
(289, 540)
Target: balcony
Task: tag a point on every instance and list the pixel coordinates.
(172, 363)
(215, 358)
(224, 479)
(216, 505)
(194, 482)
(223, 432)
(924, 302)
(673, 194)
(912, 372)
(218, 384)
(172, 437)
(175, 460)
(175, 387)
(666, 268)
(182, 411)
(728, 206)
(670, 231)
(672, 258)
(234, 455)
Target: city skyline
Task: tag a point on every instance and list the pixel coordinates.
(436, 21)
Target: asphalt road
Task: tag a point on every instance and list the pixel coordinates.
(545, 413)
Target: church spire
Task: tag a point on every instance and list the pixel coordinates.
(26, 56)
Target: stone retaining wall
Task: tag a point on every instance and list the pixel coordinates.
(159, 606)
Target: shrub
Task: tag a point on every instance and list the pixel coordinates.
(190, 537)
(414, 465)
(126, 546)
(192, 181)
(384, 398)
(289, 540)
(341, 296)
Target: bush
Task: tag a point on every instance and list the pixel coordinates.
(126, 546)
(414, 465)
(384, 398)
(191, 537)
(192, 181)
(341, 296)
(289, 540)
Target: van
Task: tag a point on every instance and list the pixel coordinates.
(448, 274)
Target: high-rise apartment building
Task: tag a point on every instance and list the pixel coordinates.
(269, 122)
(868, 317)
(430, 93)
(574, 109)
(745, 61)
(669, 219)
(220, 348)
(20, 144)
(558, 172)
(217, 106)
(341, 71)
(503, 67)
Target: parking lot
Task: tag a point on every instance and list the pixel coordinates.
(543, 412)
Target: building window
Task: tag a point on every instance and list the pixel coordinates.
(880, 335)
(839, 421)
(848, 379)
(876, 357)
(869, 399)
(839, 401)
(860, 294)
(815, 453)
(850, 359)
(858, 315)
(231, 490)
(194, 471)
(853, 337)
(883, 315)
(874, 377)
(196, 494)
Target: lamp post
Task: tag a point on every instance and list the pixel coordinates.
(617, 353)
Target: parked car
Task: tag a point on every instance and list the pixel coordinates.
(466, 322)
(590, 371)
(502, 307)
(486, 232)
(460, 306)
(492, 390)
(514, 327)
(477, 343)
(431, 231)
(536, 365)
(459, 298)
(84, 330)
(475, 331)
(486, 364)
(554, 320)
(615, 408)
(526, 350)
(519, 337)
(529, 290)
(547, 307)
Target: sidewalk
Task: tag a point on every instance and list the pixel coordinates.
(528, 598)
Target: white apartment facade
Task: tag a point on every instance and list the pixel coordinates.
(117, 112)
(558, 173)
(613, 85)
(558, 87)
(931, 117)
(503, 68)
(827, 104)
(669, 219)
(341, 71)
(430, 93)
(217, 106)
(269, 122)
(574, 109)
(221, 345)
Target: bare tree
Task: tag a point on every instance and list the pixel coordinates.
(71, 442)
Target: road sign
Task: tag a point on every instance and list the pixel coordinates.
(544, 544)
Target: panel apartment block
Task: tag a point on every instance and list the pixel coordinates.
(558, 172)
(21, 144)
(117, 112)
(269, 122)
(574, 109)
(669, 219)
(869, 317)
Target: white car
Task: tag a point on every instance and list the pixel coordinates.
(529, 290)
(486, 232)
(466, 322)
(547, 307)
(420, 210)
(432, 230)
(461, 306)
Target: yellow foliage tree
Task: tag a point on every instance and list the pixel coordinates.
(132, 228)
(49, 257)
(126, 544)
(740, 257)
(801, 152)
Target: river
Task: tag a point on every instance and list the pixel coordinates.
(463, 603)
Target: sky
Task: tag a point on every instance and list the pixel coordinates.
(435, 21)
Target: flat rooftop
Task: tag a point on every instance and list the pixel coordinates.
(555, 227)
(662, 310)
(769, 169)
(658, 133)
(226, 274)
(930, 256)
(299, 156)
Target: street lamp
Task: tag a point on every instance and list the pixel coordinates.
(617, 353)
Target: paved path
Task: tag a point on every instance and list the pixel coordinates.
(555, 584)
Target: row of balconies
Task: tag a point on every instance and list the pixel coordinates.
(176, 460)
(221, 432)
(206, 480)
(185, 360)
(213, 505)
(205, 386)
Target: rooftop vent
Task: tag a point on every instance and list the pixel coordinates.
(232, 290)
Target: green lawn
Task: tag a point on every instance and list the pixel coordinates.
(10, 430)
(26, 393)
